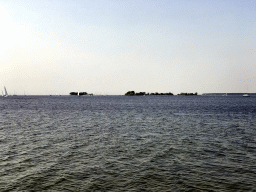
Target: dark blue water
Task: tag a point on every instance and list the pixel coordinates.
(118, 143)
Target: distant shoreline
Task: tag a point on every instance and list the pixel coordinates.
(133, 93)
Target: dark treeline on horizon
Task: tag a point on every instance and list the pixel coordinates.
(132, 93)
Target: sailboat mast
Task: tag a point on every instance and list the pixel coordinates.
(5, 91)
(5, 94)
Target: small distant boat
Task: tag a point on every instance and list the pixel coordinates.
(5, 94)
(225, 94)
(246, 94)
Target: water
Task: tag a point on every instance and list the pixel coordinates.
(118, 143)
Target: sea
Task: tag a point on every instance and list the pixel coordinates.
(127, 143)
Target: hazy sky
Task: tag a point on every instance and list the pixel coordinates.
(115, 46)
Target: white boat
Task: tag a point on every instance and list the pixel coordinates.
(246, 94)
(5, 94)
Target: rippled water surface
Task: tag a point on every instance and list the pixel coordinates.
(118, 143)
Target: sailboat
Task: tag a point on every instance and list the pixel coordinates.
(5, 94)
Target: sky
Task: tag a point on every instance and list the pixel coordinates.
(109, 47)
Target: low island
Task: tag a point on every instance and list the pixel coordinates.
(132, 93)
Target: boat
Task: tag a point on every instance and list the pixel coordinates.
(5, 94)
(246, 94)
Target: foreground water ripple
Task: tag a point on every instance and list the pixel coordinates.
(118, 143)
